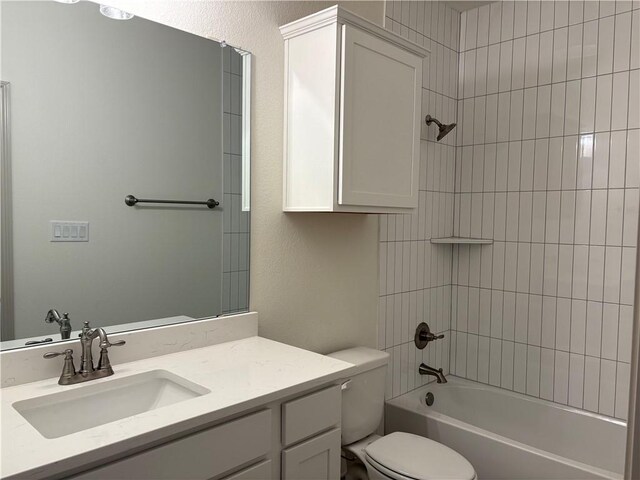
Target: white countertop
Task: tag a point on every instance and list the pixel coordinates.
(241, 375)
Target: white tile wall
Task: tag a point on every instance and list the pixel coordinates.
(415, 276)
(547, 164)
(235, 276)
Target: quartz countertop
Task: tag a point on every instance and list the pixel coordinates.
(241, 375)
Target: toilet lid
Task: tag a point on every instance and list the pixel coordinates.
(419, 458)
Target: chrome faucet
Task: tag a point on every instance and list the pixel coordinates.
(427, 370)
(87, 370)
(63, 321)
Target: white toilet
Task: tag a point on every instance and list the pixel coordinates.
(399, 455)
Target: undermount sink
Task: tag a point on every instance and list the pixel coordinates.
(88, 406)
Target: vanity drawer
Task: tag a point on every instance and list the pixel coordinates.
(261, 471)
(202, 455)
(306, 416)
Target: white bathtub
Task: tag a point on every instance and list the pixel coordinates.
(506, 435)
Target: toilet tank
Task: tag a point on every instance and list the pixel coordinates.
(363, 393)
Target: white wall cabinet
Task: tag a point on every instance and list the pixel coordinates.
(352, 116)
(251, 447)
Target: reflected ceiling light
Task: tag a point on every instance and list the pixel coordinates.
(67, 1)
(114, 13)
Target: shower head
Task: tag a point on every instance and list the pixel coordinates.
(443, 130)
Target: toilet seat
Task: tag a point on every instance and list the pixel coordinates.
(404, 456)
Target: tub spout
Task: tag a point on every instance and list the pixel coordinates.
(427, 370)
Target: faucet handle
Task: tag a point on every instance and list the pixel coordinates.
(68, 370)
(106, 343)
(68, 353)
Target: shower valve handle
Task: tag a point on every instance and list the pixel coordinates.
(424, 335)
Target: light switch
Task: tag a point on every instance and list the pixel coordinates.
(63, 231)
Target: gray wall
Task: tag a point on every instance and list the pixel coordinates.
(102, 109)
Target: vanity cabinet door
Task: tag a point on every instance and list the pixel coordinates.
(380, 122)
(315, 459)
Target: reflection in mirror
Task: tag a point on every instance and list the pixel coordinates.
(94, 110)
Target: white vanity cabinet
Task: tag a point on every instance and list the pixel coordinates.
(352, 116)
(294, 440)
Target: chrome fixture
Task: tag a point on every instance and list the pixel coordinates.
(87, 371)
(130, 200)
(68, 2)
(423, 336)
(63, 321)
(115, 13)
(427, 370)
(442, 129)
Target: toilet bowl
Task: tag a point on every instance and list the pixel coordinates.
(398, 455)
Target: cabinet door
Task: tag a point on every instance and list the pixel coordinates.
(315, 459)
(380, 114)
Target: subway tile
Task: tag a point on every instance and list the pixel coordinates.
(615, 205)
(596, 273)
(605, 43)
(617, 159)
(550, 282)
(560, 39)
(520, 365)
(547, 367)
(557, 109)
(591, 383)
(583, 216)
(623, 375)
(507, 20)
(630, 224)
(506, 56)
(598, 217)
(572, 108)
(627, 281)
(622, 42)
(529, 114)
(548, 329)
(563, 324)
(506, 377)
(620, 101)
(587, 105)
(546, 16)
(561, 13)
(580, 271)
(591, 8)
(533, 17)
(576, 12)
(604, 85)
(545, 58)
(625, 333)
(593, 329)
(612, 274)
(578, 326)
(606, 400)
(561, 378)
(635, 40)
(534, 325)
(601, 161)
(576, 380)
(574, 52)
(495, 361)
(634, 100)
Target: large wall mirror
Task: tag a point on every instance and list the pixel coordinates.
(97, 107)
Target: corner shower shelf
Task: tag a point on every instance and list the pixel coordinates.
(463, 241)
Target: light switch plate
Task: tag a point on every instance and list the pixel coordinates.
(63, 231)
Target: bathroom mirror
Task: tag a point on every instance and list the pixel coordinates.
(97, 107)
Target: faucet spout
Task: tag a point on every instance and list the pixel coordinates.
(427, 370)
